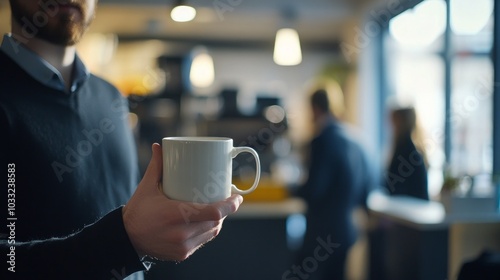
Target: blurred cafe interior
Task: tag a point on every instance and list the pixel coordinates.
(225, 71)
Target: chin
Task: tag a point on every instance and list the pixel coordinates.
(66, 37)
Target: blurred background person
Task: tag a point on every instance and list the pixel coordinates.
(407, 170)
(338, 182)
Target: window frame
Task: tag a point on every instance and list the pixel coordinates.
(447, 56)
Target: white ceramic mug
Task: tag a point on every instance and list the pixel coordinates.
(199, 169)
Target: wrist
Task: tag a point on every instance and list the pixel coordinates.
(129, 229)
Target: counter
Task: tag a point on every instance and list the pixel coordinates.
(253, 244)
(423, 214)
(422, 241)
(270, 209)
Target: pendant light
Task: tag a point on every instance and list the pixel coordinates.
(201, 72)
(181, 12)
(287, 50)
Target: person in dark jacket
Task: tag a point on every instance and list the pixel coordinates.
(73, 206)
(407, 172)
(338, 182)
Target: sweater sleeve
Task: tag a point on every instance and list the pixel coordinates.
(99, 251)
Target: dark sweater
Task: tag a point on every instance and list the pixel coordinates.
(73, 159)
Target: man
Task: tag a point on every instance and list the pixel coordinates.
(71, 163)
(338, 181)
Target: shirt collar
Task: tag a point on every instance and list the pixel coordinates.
(40, 69)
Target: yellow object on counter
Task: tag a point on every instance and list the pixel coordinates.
(267, 190)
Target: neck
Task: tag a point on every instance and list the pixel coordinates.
(321, 121)
(60, 57)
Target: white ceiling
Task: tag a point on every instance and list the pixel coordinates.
(319, 22)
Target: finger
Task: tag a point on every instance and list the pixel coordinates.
(199, 228)
(181, 241)
(216, 211)
(153, 173)
(198, 241)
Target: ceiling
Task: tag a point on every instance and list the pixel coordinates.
(247, 20)
(320, 23)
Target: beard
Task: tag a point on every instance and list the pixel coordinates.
(52, 20)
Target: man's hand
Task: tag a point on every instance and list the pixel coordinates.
(160, 227)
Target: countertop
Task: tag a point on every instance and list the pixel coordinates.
(422, 214)
(270, 209)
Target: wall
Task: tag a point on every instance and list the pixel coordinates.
(255, 73)
(252, 71)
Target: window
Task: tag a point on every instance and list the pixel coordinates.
(423, 54)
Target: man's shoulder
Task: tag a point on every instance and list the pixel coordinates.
(12, 77)
(342, 137)
(4, 57)
(99, 81)
(334, 132)
(100, 95)
(8, 68)
(102, 87)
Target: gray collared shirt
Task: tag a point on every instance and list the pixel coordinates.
(40, 69)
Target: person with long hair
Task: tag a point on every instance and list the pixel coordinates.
(407, 171)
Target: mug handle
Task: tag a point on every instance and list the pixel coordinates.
(236, 151)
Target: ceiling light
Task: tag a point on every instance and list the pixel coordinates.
(182, 12)
(421, 26)
(287, 49)
(470, 17)
(201, 73)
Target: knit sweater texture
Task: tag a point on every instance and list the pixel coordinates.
(74, 162)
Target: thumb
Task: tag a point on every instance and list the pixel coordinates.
(153, 173)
